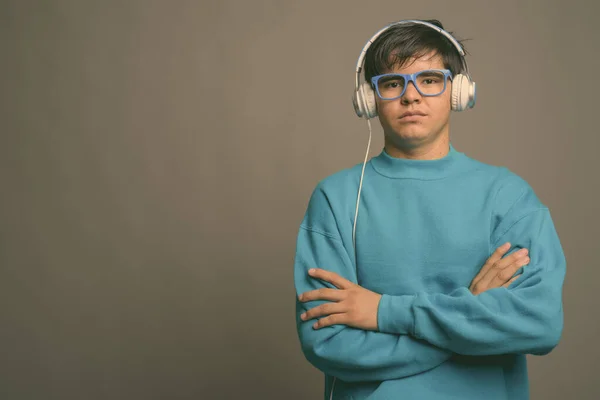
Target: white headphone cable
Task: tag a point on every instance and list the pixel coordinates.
(360, 188)
(362, 174)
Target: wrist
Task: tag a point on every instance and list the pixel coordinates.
(395, 314)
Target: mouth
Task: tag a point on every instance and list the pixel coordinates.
(410, 115)
(411, 118)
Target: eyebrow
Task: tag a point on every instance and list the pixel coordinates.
(431, 73)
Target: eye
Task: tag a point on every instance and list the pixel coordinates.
(430, 78)
(430, 81)
(391, 82)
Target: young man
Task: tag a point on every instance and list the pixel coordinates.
(455, 272)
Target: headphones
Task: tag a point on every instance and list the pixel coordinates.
(463, 88)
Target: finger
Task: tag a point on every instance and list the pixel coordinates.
(334, 319)
(322, 294)
(331, 277)
(499, 253)
(322, 310)
(489, 263)
(504, 275)
(507, 284)
(512, 258)
(491, 271)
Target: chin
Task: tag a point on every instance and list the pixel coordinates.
(412, 133)
(411, 136)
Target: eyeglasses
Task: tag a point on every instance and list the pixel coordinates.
(429, 82)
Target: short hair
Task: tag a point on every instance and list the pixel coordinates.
(399, 43)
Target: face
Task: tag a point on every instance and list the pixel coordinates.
(414, 131)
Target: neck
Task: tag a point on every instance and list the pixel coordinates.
(449, 163)
(412, 150)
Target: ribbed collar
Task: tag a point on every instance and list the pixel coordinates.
(439, 168)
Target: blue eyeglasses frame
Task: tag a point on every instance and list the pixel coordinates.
(408, 78)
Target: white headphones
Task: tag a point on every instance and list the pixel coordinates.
(463, 88)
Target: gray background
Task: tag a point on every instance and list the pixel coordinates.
(156, 159)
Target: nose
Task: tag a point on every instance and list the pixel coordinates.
(411, 94)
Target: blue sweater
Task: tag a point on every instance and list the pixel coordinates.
(425, 229)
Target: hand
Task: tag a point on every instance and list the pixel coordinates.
(350, 304)
(497, 271)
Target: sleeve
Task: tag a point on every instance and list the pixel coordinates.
(525, 318)
(344, 352)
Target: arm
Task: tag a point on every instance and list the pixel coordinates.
(341, 351)
(526, 317)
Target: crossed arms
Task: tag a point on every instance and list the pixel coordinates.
(365, 336)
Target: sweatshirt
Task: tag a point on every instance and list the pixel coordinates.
(425, 228)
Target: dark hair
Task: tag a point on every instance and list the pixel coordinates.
(399, 43)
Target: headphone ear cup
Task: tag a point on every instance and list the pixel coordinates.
(472, 94)
(364, 101)
(463, 93)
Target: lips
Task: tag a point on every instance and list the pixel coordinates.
(412, 114)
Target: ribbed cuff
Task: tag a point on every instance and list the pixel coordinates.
(395, 315)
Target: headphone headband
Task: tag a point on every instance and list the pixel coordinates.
(361, 57)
